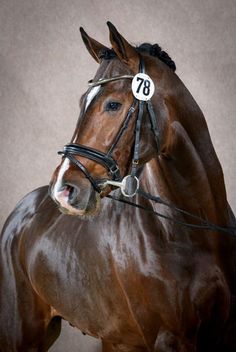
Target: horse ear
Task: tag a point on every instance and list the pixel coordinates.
(94, 48)
(125, 51)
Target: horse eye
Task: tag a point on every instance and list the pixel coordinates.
(112, 106)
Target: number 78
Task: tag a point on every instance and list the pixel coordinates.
(145, 83)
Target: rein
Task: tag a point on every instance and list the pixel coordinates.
(129, 185)
(203, 225)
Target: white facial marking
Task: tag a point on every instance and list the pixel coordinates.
(62, 195)
(58, 184)
(93, 92)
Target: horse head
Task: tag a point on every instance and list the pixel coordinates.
(103, 142)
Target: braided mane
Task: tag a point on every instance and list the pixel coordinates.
(156, 51)
(151, 49)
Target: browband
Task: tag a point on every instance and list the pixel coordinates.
(92, 83)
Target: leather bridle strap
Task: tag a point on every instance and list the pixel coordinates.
(95, 155)
(82, 168)
(101, 81)
(138, 126)
(154, 126)
(123, 128)
(203, 225)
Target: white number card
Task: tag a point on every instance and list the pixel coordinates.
(142, 87)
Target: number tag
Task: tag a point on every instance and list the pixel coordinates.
(142, 87)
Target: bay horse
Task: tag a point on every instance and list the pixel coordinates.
(91, 249)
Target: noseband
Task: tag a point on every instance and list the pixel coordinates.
(130, 184)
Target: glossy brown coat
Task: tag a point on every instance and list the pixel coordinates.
(138, 282)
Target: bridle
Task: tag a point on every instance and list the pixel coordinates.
(129, 185)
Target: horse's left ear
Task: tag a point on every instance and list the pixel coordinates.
(125, 51)
(94, 48)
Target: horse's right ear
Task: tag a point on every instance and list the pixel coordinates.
(125, 51)
(94, 48)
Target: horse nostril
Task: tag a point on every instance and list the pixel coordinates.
(72, 193)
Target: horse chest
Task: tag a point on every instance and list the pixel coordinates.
(92, 280)
(111, 277)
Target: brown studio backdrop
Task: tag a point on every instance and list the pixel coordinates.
(45, 67)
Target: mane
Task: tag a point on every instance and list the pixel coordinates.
(147, 48)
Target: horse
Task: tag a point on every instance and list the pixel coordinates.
(133, 241)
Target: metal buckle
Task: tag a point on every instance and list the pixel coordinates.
(114, 170)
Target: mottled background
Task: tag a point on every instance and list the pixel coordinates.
(45, 67)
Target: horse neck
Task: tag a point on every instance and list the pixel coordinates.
(188, 172)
